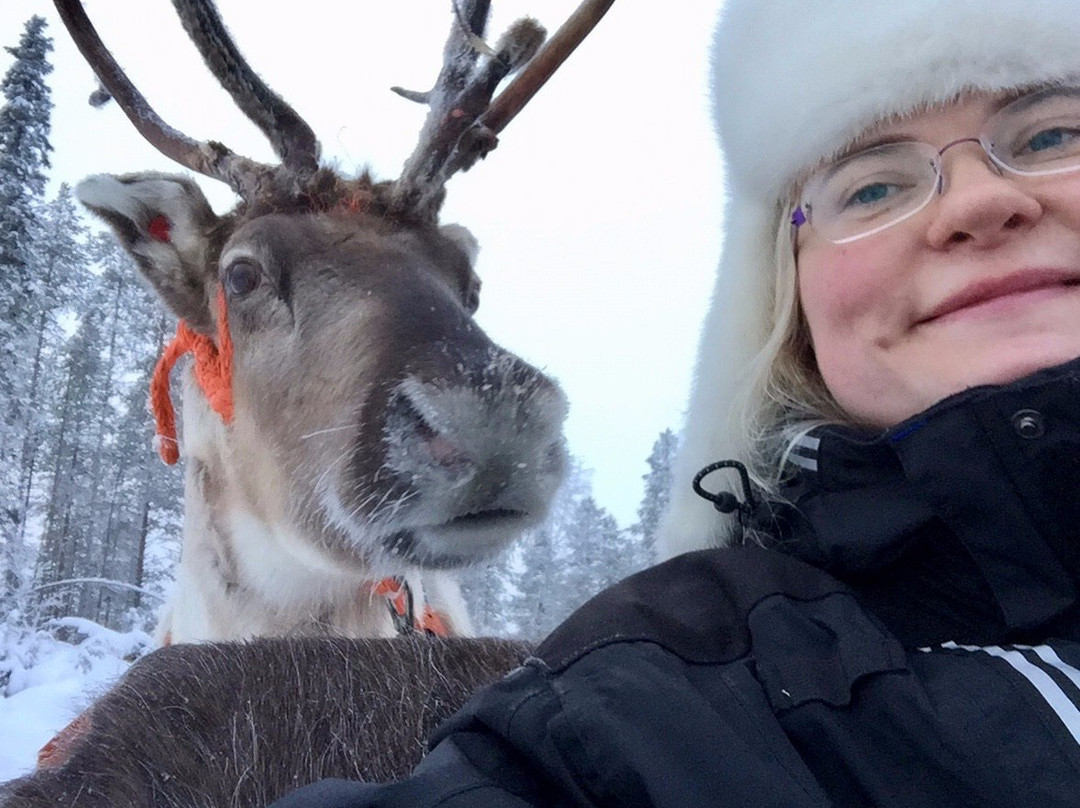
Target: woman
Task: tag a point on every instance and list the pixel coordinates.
(892, 353)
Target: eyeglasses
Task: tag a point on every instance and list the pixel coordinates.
(1036, 135)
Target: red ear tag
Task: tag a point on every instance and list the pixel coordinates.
(159, 228)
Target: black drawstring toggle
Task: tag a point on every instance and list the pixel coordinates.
(725, 501)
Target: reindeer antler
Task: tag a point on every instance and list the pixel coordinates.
(292, 139)
(526, 84)
(461, 127)
(463, 122)
(210, 158)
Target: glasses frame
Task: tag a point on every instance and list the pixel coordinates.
(803, 213)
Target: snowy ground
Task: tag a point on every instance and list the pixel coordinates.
(49, 682)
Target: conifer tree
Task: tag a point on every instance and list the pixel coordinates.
(137, 500)
(139, 530)
(102, 467)
(523, 593)
(488, 594)
(58, 259)
(657, 492)
(538, 603)
(24, 157)
(67, 540)
(598, 554)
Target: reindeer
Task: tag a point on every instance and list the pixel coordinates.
(350, 433)
(241, 724)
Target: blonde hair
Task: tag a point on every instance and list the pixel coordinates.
(767, 394)
(783, 395)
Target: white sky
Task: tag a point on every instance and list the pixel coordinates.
(598, 215)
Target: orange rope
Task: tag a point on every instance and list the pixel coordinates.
(433, 622)
(213, 372)
(395, 590)
(58, 751)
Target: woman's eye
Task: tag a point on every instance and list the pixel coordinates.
(1051, 139)
(242, 277)
(870, 194)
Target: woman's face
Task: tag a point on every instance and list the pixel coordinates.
(982, 286)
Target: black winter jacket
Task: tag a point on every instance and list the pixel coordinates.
(908, 638)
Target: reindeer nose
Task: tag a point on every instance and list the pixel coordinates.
(494, 421)
(442, 449)
(419, 432)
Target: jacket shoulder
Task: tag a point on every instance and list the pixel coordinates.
(694, 605)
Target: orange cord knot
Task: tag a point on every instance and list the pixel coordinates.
(213, 372)
(399, 599)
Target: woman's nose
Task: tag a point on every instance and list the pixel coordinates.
(980, 203)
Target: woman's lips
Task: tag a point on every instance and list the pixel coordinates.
(999, 295)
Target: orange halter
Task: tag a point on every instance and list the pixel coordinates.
(213, 372)
(399, 599)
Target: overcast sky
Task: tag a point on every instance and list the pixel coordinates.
(597, 216)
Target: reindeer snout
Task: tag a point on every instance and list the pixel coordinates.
(490, 439)
(505, 421)
(471, 453)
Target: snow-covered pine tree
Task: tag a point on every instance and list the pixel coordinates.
(139, 499)
(579, 551)
(24, 157)
(140, 538)
(535, 583)
(521, 594)
(112, 299)
(598, 554)
(67, 539)
(109, 496)
(488, 590)
(657, 492)
(58, 259)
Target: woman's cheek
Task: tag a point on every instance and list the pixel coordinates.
(837, 287)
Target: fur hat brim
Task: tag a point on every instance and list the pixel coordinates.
(795, 82)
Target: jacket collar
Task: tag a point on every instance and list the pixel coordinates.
(962, 523)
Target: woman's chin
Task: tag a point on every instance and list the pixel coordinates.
(883, 399)
(1010, 363)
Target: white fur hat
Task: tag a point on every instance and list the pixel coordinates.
(794, 82)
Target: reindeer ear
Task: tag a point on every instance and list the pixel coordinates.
(463, 238)
(164, 222)
(467, 243)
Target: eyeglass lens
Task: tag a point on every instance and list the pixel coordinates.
(1037, 134)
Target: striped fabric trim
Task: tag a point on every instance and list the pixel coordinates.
(804, 451)
(1057, 682)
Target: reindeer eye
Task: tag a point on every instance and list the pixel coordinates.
(242, 277)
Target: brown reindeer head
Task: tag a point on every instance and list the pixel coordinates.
(372, 418)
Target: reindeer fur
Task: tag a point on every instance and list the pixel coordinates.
(232, 725)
